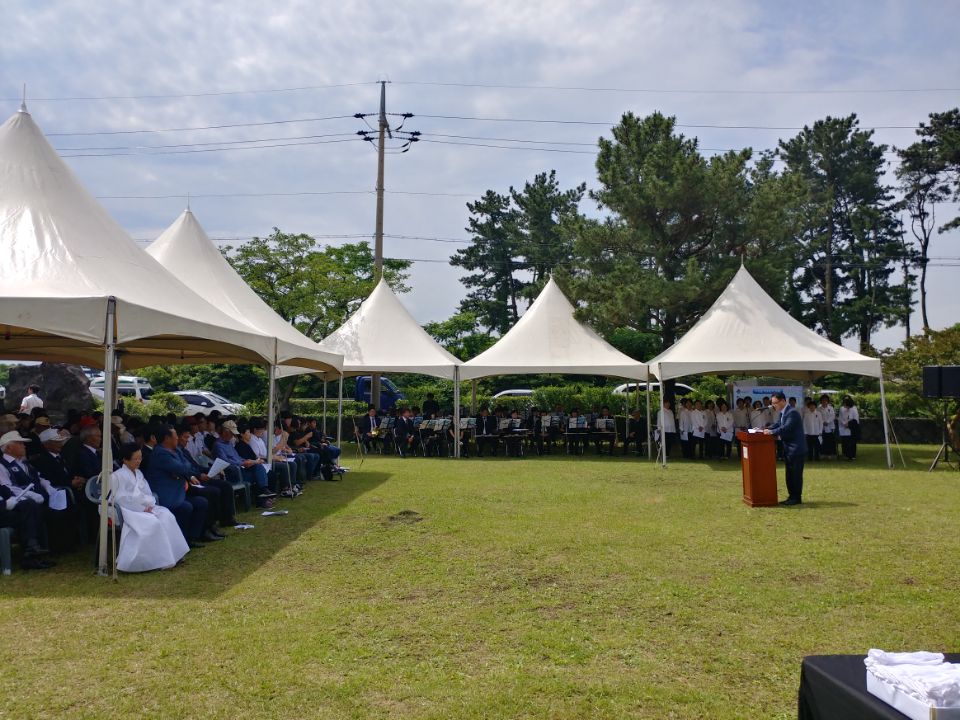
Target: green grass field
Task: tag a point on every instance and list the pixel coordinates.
(548, 588)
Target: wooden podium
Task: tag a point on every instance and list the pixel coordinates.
(758, 460)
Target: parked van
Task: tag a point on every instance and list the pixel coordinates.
(389, 394)
(129, 387)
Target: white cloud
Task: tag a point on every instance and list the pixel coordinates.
(73, 48)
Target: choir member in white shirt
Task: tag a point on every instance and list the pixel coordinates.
(813, 429)
(849, 428)
(829, 416)
(667, 425)
(758, 416)
(726, 428)
(712, 438)
(150, 538)
(699, 422)
(686, 429)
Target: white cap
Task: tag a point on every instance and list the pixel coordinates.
(51, 435)
(11, 437)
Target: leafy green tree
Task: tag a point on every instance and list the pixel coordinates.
(316, 288)
(677, 231)
(943, 133)
(518, 240)
(850, 244)
(460, 334)
(924, 185)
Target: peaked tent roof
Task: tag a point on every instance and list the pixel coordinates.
(62, 257)
(745, 330)
(188, 252)
(549, 339)
(381, 336)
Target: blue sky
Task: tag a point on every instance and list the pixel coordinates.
(72, 49)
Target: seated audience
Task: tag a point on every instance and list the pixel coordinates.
(168, 475)
(21, 502)
(150, 538)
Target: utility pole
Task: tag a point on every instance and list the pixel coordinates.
(384, 132)
(384, 129)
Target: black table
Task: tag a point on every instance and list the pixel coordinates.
(835, 686)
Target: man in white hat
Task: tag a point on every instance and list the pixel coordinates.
(21, 506)
(50, 463)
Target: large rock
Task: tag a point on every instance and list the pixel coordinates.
(62, 387)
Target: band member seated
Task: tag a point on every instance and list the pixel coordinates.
(368, 428)
(487, 432)
(513, 434)
(577, 433)
(540, 432)
(636, 429)
(604, 431)
(406, 433)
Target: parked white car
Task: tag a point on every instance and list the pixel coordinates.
(627, 388)
(129, 387)
(517, 392)
(204, 401)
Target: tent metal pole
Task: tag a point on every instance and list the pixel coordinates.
(340, 412)
(323, 427)
(456, 411)
(106, 449)
(271, 410)
(649, 444)
(886, 420)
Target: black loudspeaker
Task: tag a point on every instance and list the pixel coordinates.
(941, 381)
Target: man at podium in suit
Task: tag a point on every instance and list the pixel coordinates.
(789, 428)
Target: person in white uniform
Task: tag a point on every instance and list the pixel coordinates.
(829, 416)
(668, 426)
(151, 538)
(812, 429)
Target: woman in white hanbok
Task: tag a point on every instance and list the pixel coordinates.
(151, 538)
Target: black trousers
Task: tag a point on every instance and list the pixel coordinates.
(849, 446)
(489, 442)
(26, 519)
(794, 464)
(813, 447)
(212, 495)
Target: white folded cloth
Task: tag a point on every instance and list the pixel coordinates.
(920, 657)
(923, 675)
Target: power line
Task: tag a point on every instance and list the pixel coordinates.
(203, 144)
(680, 91)
(210, 150)
(711, 126)
(305, 193)
(509, 147)
(177, 96)
(201, 127)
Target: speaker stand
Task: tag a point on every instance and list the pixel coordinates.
(944, 451)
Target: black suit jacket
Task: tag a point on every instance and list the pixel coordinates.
(86, 463)
(489, 425)
(404, 428)
(789, 428)
(364, 424)
(52, 469)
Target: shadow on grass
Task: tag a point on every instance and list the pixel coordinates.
(205, 573)
(822, 505)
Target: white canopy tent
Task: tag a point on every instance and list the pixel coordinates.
(548, 338)
(382, 336)
(187, 252)
(75, 287)
(746, 331)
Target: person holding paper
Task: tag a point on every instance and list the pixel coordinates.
(725, 428)
(789, 428)
(150, 539)
(20, 507)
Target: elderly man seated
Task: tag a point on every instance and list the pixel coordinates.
(217, 491)
(168, 476)
(21, 502)
(69, 527)
(253, 472)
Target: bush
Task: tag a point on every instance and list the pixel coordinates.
(163, 403)
(313, 407)
(576, 396)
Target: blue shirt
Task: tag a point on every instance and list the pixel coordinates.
(228, 453)
(166, 476)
